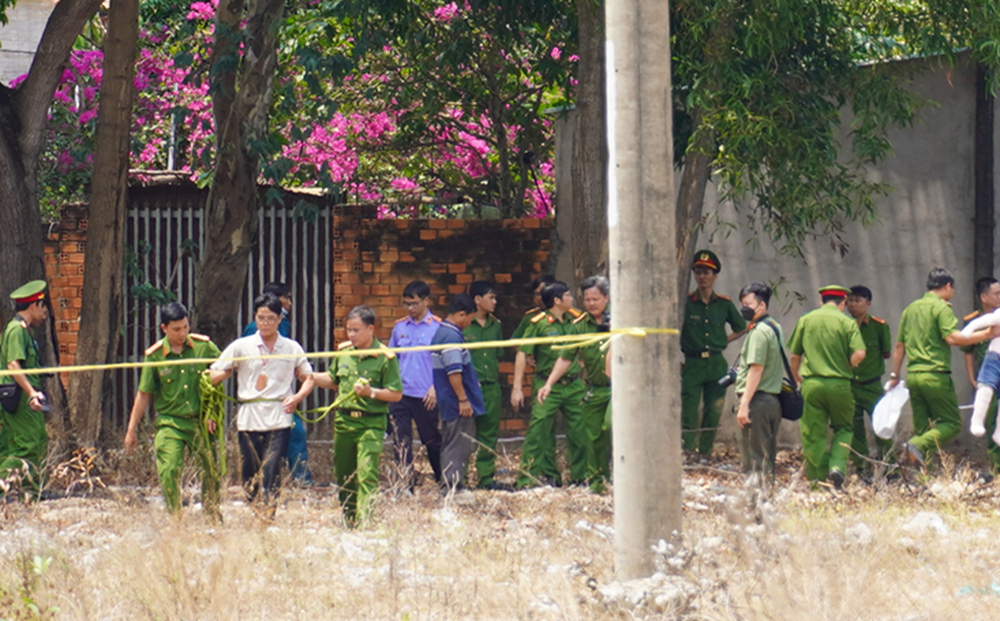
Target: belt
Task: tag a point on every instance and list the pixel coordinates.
(360, 413)
(869, 381)
(703, 354)
(564, 380)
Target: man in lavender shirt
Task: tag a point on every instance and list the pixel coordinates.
(419, 402)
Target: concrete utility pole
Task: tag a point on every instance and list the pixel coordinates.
(645, 371)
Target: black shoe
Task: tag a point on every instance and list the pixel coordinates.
(837, 478)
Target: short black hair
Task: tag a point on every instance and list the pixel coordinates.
(172, 311)
(462, 302)
(481, 287)
(759, 290)
(542, 279)
(416, 289)
(23, 306)
(833, 297)
(277, 289)
(983, 284)
(365, 313)
(862, 291)
(552, 291)
(939, 277)
(268, 301)
(598, 281)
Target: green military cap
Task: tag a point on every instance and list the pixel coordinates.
(834, 291)
(707, 258)
(29, 292)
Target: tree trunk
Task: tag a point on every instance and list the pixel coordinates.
(102, 290)
(691, 202)
(241, 102)
(590, 147)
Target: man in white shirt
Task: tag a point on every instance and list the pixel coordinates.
(265, 388)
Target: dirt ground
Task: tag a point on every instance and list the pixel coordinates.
(921, 548)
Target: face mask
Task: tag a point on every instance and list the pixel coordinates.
(748, 312)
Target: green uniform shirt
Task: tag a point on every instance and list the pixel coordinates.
(878, 346)
(545, 324)
(826, 338)
(762, 346)
(525, 322)
(704, 326)
(922, 329)
(591, 356)
(485, 361)
(18, 344)
(176, 389)
(979, 349)
(381, 368)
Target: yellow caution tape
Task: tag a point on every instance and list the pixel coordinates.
(567, 341)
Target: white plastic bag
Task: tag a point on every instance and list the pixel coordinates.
(887, 410)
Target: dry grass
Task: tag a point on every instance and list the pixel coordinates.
(542, 554)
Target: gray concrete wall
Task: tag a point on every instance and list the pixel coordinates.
(926, 222)
(19, 38)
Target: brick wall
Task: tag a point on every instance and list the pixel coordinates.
(65, 247)
(375, 259)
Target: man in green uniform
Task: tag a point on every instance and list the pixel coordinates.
(703, 339)
(176, 395)
(486, 327)
(595, 292)
(927, 330)
(988, 293)
(536, 291)
(24, 441)
(359, 424)
(867, 382)
(758, 384)
(538, 452)
(826, 347)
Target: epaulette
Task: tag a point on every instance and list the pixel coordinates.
(969, 317)
(343, 345)
(435, 318)
(575, 313)
(152, 348)
(750, 326)
(582, 317)
(494, 318)
(534, 309)
(723, 297)
(878, 319)
(199, 337)
(538, 317)
(694, 296)
(24, 324)
(387, 353)
(401, 319)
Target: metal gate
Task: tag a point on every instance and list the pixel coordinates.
(164, 237)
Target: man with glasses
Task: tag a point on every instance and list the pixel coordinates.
(928, 329)
(298, 452)
(419, 402)
(267, 400)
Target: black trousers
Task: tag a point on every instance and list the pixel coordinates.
(262, 453)
(403, 414)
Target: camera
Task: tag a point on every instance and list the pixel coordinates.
(728, 378)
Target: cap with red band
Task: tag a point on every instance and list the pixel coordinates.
(707, 258)
(834, 291)
(29, 292)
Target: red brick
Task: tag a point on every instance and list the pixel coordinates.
(406, 257)
(402, 223)
(76, 281)
(396, 289)
(350, 301)
(501, 278)
(456, 289)
(506, 368)
(436, 223)
(366, 266)
(513, 424)
(350, 255)
(390, 255)
(369, 255)
(390, 279)
(464, 279)
(383, 267)
(428, 234)
(532, 223)
(380, 290)
(445, 234)
(350, 278)
(341, 267)
(438, 268)
(456, 223)
(456, 268)
(512, 224)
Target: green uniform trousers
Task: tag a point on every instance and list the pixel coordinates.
(759, 441)
(936, 419)
(538, 451)
(24, 441)
(865, 398)
(596, 405)
(992, 449)
(700, 382)
(827, 402)
(357, 447)
(487, 431)
(173, 434)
